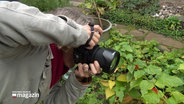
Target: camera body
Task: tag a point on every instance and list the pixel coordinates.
(107, 58)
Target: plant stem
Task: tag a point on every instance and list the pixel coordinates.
(98, 14)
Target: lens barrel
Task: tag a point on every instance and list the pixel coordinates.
(106, 57)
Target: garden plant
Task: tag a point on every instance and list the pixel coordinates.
(144, 75)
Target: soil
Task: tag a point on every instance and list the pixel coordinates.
(174, 3)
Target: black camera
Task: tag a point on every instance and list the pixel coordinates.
(107, 58)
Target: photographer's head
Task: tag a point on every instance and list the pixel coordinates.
(73, 13)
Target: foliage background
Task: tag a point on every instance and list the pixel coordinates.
(46, 5)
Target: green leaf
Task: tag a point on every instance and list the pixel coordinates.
(130, 68)
(112, 99)
(129, 57)
(127, 48)
(151, 69)
(122, 78)
(145, 86)
(160, 84)
(171, 101)
(140, 63)
(88, 5)
(151, 98)
(129, 76)
(170, 81)
(179, 97)
(139, 74)
(181, 67)
(135, 83)
(135, 94)
(120, 92)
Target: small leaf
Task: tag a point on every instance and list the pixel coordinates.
(129, 57)
(127, 48)
(88, 5)
(120, 92)
(181, 67)
(151, 98)
(135, 83)
(111, 84)
(122, 78)
(130, 68)
(139, 74)
(104, 83)
(109, 92)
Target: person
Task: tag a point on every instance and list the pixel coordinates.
(26, 39)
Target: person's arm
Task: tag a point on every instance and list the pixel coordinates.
(67, 93)
(75, 86)
(22, 25)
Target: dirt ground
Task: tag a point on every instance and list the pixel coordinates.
(173, 2)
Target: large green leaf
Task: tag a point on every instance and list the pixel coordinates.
(168, 80)
(151, 69)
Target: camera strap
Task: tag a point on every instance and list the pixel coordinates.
(92, 33)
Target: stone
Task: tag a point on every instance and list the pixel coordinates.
(123, 31)
(166, 41)
(163, 48)
(137, 33)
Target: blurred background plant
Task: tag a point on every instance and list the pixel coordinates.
(101, 6)
(141, 6)
(46, 5)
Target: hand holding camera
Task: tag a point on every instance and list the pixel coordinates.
(95, 33)
(108, 59)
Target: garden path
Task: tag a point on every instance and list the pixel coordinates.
(166, 43)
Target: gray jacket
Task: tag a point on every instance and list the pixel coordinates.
(25, 34)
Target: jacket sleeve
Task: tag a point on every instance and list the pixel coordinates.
(21, 25)
(67, 93)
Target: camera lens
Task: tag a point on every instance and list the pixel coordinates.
(107, 58)
(114, 63)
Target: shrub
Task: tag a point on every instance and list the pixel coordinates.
(141, 6)
(170, 26)
(46, 5)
